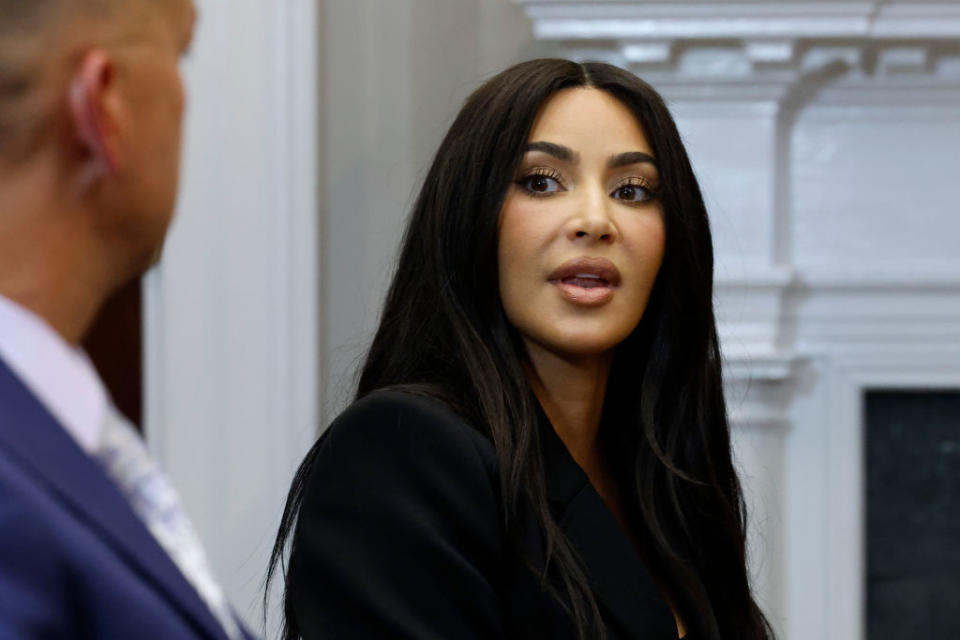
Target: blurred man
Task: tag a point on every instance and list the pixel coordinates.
(93, 540)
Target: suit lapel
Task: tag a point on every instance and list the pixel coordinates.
(624, 588)
(49, 454)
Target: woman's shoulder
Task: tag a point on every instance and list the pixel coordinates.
(402, 424)
(399, 533)
(402, 408)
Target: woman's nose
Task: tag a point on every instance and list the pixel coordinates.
(592, 220)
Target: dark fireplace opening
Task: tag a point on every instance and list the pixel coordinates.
(912, 448)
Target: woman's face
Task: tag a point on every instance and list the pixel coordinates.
(581, 233)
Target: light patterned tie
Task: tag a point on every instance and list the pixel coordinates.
(124, 456)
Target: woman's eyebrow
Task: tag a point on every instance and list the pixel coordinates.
(558, 151)
(630, 157)
(566, 154)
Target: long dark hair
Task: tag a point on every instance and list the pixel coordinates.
(444, 332)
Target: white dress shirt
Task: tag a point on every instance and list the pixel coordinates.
(60, 375)
(65, 381)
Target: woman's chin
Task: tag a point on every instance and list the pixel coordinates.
(579, 347)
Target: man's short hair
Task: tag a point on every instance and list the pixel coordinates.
(30, 31)
(22, 30)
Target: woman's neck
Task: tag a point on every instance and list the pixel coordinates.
(572, 391)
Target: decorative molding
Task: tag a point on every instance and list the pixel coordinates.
(685, 43)
(902, 276)
(931, 94)
(756, 20)
(770, 366)
(770, 321)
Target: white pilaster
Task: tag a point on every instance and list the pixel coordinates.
(231, 312)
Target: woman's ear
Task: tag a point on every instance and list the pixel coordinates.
(94, 111)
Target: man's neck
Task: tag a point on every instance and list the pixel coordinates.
(45, 259)
(68, 308)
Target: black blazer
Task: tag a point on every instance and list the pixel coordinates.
(400, 536)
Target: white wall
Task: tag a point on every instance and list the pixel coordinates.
(231, 312)
(824, 135)
(396, 74)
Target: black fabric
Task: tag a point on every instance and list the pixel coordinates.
(400, 536)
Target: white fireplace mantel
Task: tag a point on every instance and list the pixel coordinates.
(754, 43)
(756, 20)
(824, 136)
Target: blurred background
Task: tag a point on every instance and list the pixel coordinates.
(825, 135)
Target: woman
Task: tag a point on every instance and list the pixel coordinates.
(539, 444)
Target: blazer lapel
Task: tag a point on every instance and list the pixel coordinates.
(623, 585)
(48, 453)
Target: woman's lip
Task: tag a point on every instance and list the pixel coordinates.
(583, 296)
(600, 268)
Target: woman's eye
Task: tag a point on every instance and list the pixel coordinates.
(632, 193)
(541, 184)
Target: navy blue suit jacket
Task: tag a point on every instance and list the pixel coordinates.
(75, 561)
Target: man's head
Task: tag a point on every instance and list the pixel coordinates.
(91, 105)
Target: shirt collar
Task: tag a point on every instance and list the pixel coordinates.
(60, 375)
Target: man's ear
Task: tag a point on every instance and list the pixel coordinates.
(94, 112)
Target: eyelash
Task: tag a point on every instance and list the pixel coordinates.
(540, 172)
(552, 174)
(637, 183)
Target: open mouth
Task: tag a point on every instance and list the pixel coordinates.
(586, 281)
